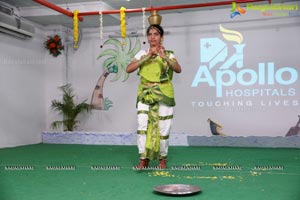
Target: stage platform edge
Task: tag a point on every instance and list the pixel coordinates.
(176, 139)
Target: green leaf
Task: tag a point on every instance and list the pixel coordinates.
(114, 42)
(56, 124)
(127, 45)
(126, 76)
(108, 52)
(136, 48)
(108, 62)
(118, 75)
(107, 103)
(69, 109)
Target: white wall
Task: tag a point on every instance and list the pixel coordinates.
(30, 78)
(267, 39)
(22, 86)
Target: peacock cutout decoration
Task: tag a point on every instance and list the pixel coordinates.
(295, 130)
(117, 59)
(215, 127)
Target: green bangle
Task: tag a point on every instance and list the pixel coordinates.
(171, 63)
(140, 62)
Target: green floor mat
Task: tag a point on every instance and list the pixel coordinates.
(94, 172)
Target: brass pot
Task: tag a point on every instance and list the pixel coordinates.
(154, 18)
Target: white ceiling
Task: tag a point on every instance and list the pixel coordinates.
(42, 15)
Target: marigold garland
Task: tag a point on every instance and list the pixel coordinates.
(123, 23)
(54, 45)
(75, 28)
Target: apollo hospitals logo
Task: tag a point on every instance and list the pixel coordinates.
(222, 71)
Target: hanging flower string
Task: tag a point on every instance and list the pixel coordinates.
(75, 28)
(123, 23)
(144, 24)
(101, 28)
(54, 45)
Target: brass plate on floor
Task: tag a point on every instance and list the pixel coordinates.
(177, 189)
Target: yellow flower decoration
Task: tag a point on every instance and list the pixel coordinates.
(75, 28)
(123, 23)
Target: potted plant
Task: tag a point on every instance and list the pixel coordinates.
(68, 109)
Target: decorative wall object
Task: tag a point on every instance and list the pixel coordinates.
(116, 62)
(54, 45)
